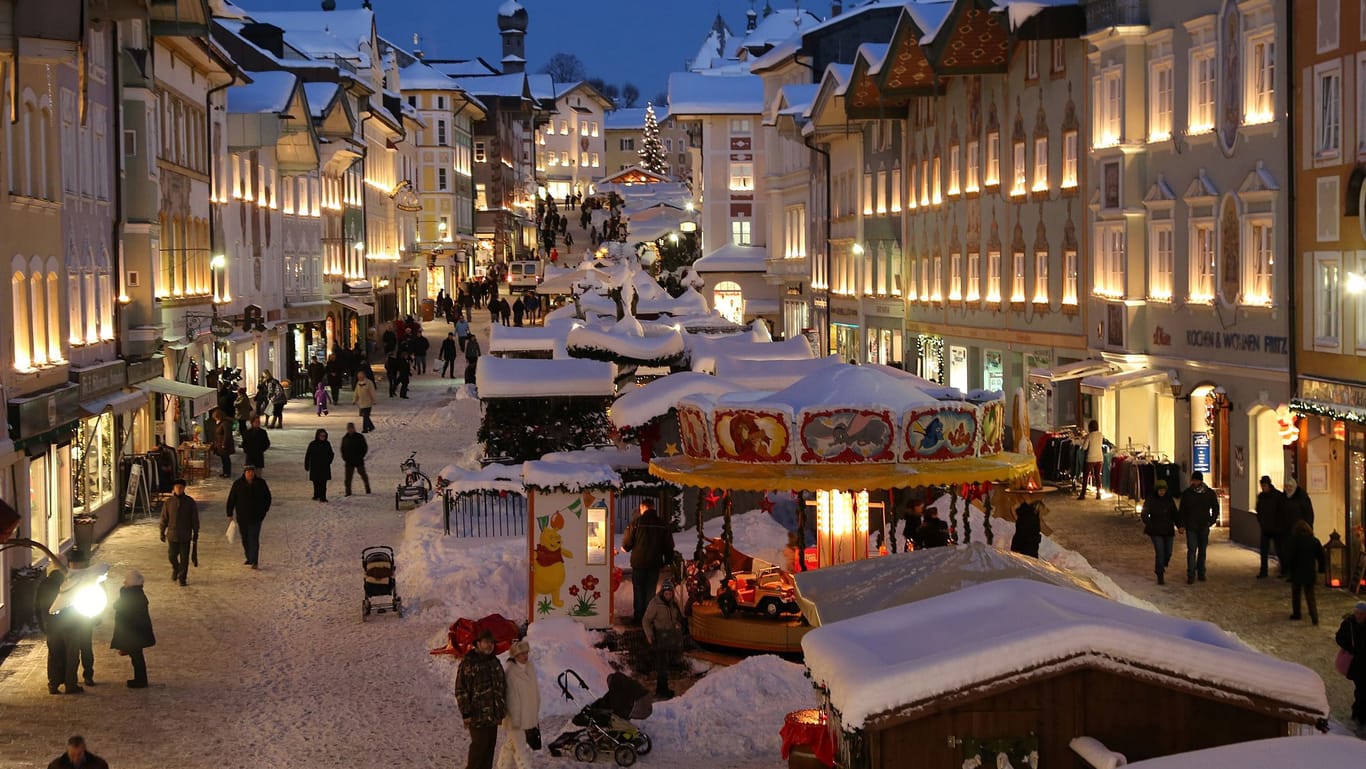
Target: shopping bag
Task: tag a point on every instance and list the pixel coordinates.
(533, 737)
(232, 531)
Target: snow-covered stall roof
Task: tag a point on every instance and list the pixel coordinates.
(493, 478)
(705, 351)
(621, 458)
(657, 221)
(1320, 750)
(547, 338)
(691, 93)
(627, 339)
(268, 92)
(773, 375)
(733, 258)
(845, 385)
(529, 378)
(838, 593)
(929, 16)
(642, 404)
(870, 669)
(568, 476)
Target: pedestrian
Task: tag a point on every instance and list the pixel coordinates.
(533, 307)
(471, 359)
(933, 531)
(365, 397)
(389, 340)
(504, 312)
(568, 239)
(242, 410)
(420, 347)
(278, 398)
(321, 399)
(447, 355)
(255, 442)
(1094, 447)
(133, 627)
(179, 529)
(59, 633)
(248, 502)
(1028, 530)
(481, 695)
(81, 626)
(462, 333)
(1298, 506)
(1351, 638)
(523, 709)
(318, 463)
(261, 400)
(495, 311)
(663, 626)
(317, 372)
(404, 374)
(651, 544)
(335, 369)
(223, 444)
(391, 373)
(1303, 561)
(911, 520)
(1159, 523)
(1199, 511)
(77, 757)
(518, 308)
(1271, 520)
(353, 451)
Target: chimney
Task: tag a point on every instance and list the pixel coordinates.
(267, 37)
(836, 8)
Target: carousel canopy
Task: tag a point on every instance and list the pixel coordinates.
(853, 589)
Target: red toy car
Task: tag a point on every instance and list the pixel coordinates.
(768, 590)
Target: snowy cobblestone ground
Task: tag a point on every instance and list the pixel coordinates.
(273, 667)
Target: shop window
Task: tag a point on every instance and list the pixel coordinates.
(728, 300)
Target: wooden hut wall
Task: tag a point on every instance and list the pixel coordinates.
(1137, 718)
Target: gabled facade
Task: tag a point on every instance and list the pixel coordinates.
(625, 131)
(572, 145)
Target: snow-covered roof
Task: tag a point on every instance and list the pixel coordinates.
(836, 593)
(542, 86)
(869, 669)
(628, 339)
(268, 92)
(511, 86)
(875, 53)
(653, 400)
(568, 476)
(846, 385)
(523, 378)
(1021, 11)
(419, 77)
(772, 375)
(733, 258)
(716, 49)
(658, 221)
(631, 118)
(510, 8)
(620, 458)
(929, 17)
(319, 95)
(546, 338)
(475, 67)
(491, 478)
(346, 33)
(1319, 750)
(780, 26)
(692, 93)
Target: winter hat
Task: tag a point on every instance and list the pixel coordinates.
(133, 578)
(668, 585)
(519, 648)
(1161, 484)
(1361, 606)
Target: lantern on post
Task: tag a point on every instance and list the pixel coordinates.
(1335, 552)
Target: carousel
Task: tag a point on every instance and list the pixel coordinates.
(842, 438)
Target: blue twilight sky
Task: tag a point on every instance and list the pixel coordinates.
(638, 41)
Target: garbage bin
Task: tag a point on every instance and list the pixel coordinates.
(83, 532)
(428, 310)
(23, 595)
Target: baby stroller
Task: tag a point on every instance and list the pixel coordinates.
(604, 724)
(378, 564)
(416, 486)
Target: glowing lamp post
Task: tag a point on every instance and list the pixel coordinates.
(841, 527)
(1335, 552)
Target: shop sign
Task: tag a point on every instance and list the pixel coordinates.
(97, 380)
(1232, 340)
(221, 327)
(1200, 452)
(1333, 392)
(889, 309)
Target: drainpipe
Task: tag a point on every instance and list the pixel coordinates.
(1291, 283)
(829, 279)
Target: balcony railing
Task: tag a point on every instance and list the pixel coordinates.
(1103, 14)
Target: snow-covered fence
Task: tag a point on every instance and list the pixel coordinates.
(484, 515)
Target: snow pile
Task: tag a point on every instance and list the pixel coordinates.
(1278, 753)
(455, 577)
(559, 644)
(569, 476)
(628, 339)
(623, 458)
(453, 412)
(733, 712)
(639, 406)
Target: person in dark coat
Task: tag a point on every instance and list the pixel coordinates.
(133, 627)
(223, 443)
(63, 658)
(1199, 511)
(518, 309)
(933, 531)
(318, 462)
(911, 520)
(495, 310)
(471, 359)
(1298, 506)
(447, 355)
(255, 441)
(317, 372)
(1271, 520)
(404, 371)
(77, 757)
(1159, 523)
(179, 529)
(248, 502)
(389, 340)
(650, 542)
(391, 373)
(420, 347)
(335, 369)
(1028, 530)
(353, 451)
(1304, 561)
(662, 624)
(1351, 637)
(504, 312)
(481, 695)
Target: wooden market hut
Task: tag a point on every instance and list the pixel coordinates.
(1017, 667)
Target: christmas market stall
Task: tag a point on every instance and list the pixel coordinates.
(570, 540)
(533, 407)
(1013, 672)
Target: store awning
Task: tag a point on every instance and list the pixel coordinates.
(1136, 378)
(1074, 370)
(354, 305)
(118, 402)
(203, 399)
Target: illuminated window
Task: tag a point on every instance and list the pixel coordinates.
(993, 172)
(564, 128)
(1041, 276)
(1160, 81)
(1041, 164)
(1202, 261)
(955, 169)
(1109, 264)
(1161, 240)
(1260, 92)
(869, 194)
(881, 186)
(970, 184)
(1069, 160)
(740, 231)
(480, 155)
(994, 276)
(1018, 173)
(935, 196)
(955, 276)
(925, 182)
(1017, 285)
(1071, 278)
(1107, 130)
(896, 190)
(973, 291)
(937, 279)
(1203, 79)
(1259, 256)
(729, 301)
(741, 177)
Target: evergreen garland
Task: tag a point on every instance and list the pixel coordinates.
(523, 429)
(986, 517)
(953, 509)
(652, 150)
(727, 536)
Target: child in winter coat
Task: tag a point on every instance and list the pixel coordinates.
(321, 398)
(133, 627)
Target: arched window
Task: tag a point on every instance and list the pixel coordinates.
(77, 267)
(26, 126)
(41, 160)
(23, 330)
(37, 295)
(54, 317)
(105, 293)
(728, 300)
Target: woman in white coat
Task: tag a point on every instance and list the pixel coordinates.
(524, 708)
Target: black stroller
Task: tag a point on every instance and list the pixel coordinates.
(378, 564)
(605, 725)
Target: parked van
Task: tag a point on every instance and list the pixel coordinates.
(524, 274)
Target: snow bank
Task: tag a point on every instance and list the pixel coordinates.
(448, 577)
(1315, 750)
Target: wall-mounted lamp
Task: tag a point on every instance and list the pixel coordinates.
(1355, 283)
(858, 249)
(1174, 382)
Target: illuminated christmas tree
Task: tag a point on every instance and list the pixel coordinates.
(652, 153)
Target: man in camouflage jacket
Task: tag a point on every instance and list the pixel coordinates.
(481, 693)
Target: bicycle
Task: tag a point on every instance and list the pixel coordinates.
(416, 486)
